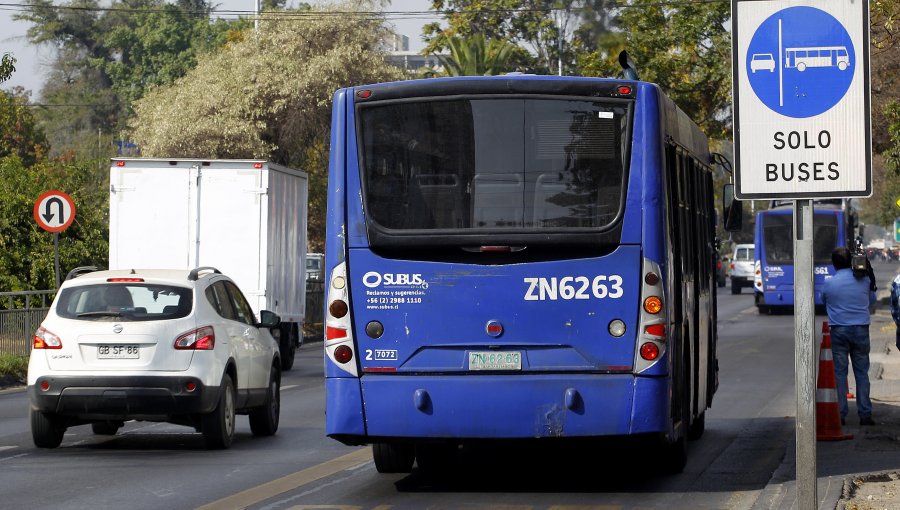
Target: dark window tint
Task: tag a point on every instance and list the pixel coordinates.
(778, 235)
(217, 295)
(132, 301)
(242, 309)
(488, 164)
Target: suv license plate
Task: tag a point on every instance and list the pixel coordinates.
(495, 360)
(118, 352)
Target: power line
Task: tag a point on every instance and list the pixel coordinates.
(298, 14)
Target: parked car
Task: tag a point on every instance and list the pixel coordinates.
(742, 268)
(173, 346)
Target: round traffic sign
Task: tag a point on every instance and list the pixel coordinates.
(54, 211)
(800, 62)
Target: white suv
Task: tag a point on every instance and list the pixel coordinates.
(742, 268)
(158, 345)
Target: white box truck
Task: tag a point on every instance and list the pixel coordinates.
(246, 218)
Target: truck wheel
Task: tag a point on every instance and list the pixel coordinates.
(45, 430)
(264, 419)
(218, 426)
(286, 345)
(393, 457)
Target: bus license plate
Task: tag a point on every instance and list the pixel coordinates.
(495, 360)
(118, 352)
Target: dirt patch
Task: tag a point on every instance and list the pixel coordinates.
(872, 492)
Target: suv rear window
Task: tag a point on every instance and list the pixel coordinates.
(133, 301)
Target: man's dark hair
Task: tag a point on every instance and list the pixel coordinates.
(840, 258)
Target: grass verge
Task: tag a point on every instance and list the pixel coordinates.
(13, 369)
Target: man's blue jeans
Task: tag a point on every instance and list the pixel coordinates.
(852, 342)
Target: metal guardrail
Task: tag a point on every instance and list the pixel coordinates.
(20, 315)
(22, 312)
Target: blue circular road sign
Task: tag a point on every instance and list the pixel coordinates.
(800, 62)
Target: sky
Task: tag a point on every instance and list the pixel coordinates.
(32, 61)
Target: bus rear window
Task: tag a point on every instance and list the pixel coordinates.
(778, 235)
(507, 164)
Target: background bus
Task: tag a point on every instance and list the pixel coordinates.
(517, 257)
(819, 56)
(834, 224)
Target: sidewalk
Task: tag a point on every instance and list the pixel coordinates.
(862, 473)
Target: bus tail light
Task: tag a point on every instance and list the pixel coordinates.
(339, 344)
(650, 344)
(44, 339)
(649, 351)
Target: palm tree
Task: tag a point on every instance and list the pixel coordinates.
(475, 56)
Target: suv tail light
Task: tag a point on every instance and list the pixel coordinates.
(44, 339)
(202, 339)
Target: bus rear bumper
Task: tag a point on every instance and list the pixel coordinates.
(495, 406)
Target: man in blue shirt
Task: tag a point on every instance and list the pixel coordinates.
(847, 301)
(895, 305)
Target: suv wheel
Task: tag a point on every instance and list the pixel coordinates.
(106, 428)
(218, 426)
(45, 430)
(264, 419)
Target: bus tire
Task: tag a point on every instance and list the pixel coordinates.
(436, 458)
(698, 427)
(393, 457)
(675, 452)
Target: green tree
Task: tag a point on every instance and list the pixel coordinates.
(108, 57)
(547, 31)
(26, 251)
(473, 56)
(688, 53)
(268, 97)
(7, 66)
(19, 136)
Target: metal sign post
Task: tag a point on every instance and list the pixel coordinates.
(805, 355)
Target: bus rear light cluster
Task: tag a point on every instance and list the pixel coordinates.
(44, 339)
(649, 351)
(339, 347)
(650, 344)
(343, 354)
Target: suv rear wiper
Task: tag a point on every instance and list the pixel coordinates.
(100, 314)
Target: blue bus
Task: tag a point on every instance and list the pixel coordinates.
(834, 224)
(517, 257)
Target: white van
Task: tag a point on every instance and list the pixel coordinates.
(742, 269)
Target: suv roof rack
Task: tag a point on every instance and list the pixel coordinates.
(78, 271)
(195, 273)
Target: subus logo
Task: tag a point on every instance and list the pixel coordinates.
(374, 279)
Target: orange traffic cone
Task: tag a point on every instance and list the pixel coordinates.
(828, 414)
